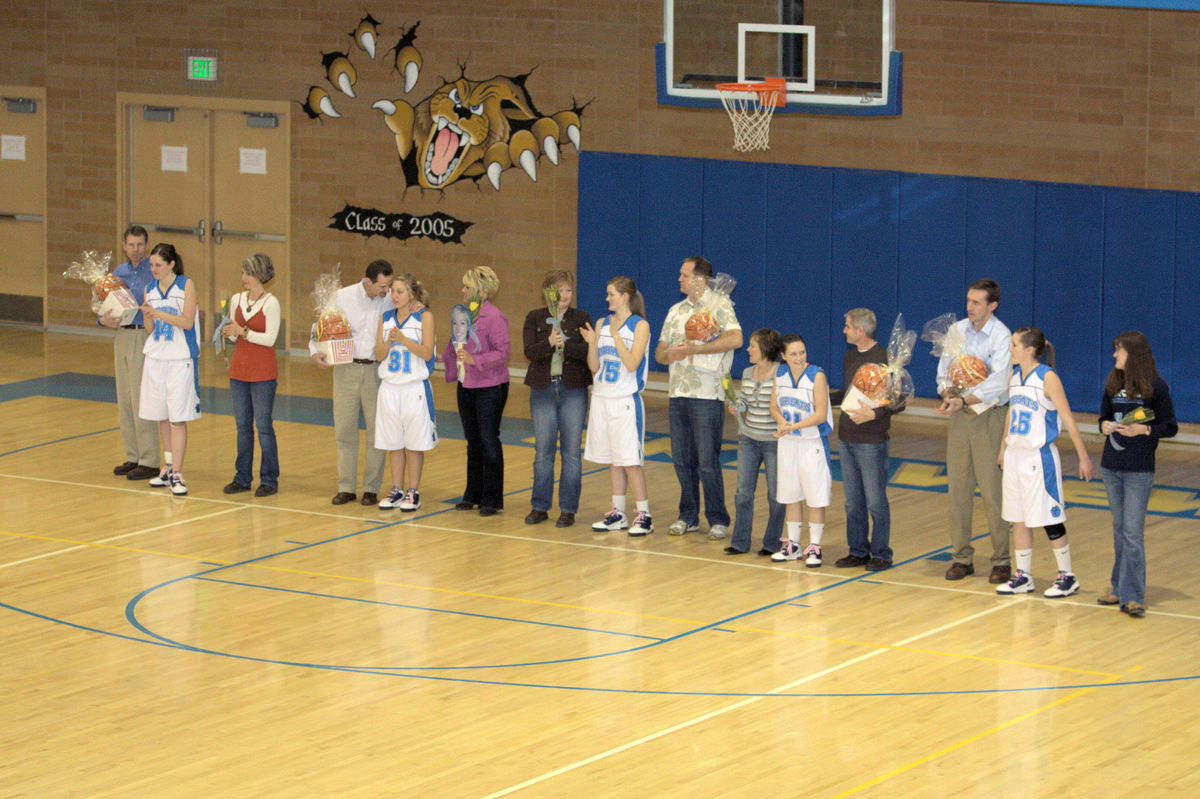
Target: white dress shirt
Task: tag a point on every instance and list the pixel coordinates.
(362, 314)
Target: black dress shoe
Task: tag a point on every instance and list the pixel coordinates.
(733, 551)
(465, 506)
(141, 473)
(125, 468)
(342, 497)
(565, 519)
(265, 490)
(370, 498)
(850, 561)
(878, 564)
(235, 488)
(486, 511)
(536, 516)
(765, 553)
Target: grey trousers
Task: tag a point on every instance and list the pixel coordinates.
(139, 435)
(972, 446)
(356, 385)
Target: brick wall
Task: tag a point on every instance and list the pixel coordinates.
(1060, 93)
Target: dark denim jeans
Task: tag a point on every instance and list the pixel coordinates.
(480, 410)
(696, 428)
(864, 481)
(752, 454)
(558, 415)
(1128, 498)
(253, 404)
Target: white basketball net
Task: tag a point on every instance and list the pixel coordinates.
(751, 118)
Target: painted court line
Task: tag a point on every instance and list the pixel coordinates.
(107, 540)
(730, 708)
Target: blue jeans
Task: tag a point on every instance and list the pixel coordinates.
(1128, 497)
(864, 482)
(696, 427)
(751, 454)
(253, 403)
(558, 415)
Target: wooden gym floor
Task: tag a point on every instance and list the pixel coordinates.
(282, 647)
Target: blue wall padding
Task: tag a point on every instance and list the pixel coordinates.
(807, 244)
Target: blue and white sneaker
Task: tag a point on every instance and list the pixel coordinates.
(1020, 583)
(1065, 585)
(411, 501)
(614, 520)
(392, 500)
(163, 480)
(178, 487)
(642, 524)
(789, 550)
(812, 556)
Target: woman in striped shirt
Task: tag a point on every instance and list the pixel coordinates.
(757, 443)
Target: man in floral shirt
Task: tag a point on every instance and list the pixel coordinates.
(696, 396)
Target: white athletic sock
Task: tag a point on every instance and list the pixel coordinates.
(815, 531)
(793, 531)
(643, 505)
(1063, 556)
(1024, 560)
(167, 458)
(619, 503)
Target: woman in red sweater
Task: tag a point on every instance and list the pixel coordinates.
(253, 375)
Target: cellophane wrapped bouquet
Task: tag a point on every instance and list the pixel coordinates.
(110, 295)
(875, 385)
(966, 371)
(331, 331)
(702, 326)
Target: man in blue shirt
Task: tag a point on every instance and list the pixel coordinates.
(140, 436)
(977, 420)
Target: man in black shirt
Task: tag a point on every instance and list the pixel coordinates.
(863, 437)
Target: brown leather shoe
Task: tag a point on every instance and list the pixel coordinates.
(957, 571)
(342, 497)
(536, 516)
(370, 499)
(1135, 609)
(1000, 574)
(565, 519)
(1108, 599)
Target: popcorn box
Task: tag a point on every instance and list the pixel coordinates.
(120, 303)
(337, 350)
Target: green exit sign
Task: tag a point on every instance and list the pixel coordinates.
(201, 67)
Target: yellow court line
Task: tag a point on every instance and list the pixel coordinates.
(562, 605)
(967, 741)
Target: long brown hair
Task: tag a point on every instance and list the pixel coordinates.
(625, 285)
(1138, 376)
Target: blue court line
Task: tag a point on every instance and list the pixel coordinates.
(59, 441)
(429, 609)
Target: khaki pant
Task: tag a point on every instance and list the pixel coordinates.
(972, 446)
(139, 435)
(356, 385)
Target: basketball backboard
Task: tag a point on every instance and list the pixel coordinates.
(836, 55)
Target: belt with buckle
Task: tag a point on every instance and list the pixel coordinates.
(364, 361)
(131, 327)
(556, 378)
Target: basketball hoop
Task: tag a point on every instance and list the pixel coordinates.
(750, 106)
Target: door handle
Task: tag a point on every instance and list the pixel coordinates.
(197, 231)
(219, 233)
(18, 217)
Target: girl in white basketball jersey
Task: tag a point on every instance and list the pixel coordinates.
(618, 358)
(800, 406)
(170, 380)
(404, 416)
(1033, 494)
